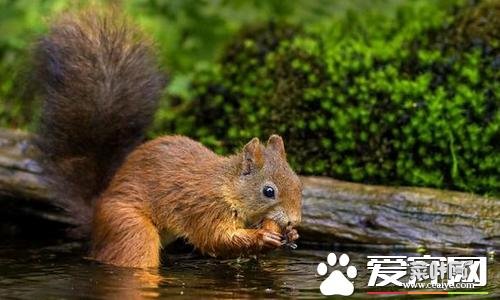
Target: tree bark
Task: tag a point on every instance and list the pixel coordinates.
(333, 211)
(407, 216)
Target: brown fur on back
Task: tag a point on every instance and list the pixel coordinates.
(176, 187)
(100, 87)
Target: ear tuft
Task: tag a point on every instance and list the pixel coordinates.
(253, 158)
(275, 142)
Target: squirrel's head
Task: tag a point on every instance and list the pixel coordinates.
(267, 186)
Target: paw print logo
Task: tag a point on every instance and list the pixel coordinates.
(337, 283)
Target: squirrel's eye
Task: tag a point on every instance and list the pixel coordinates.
(268, 191)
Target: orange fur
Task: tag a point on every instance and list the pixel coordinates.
(101, 84)
(175, 185)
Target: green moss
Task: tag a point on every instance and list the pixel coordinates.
(379, 95)
(409, 99)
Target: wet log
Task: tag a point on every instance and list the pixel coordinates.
(19, 172)
(333, 211)
(415, 218)
(21, 179)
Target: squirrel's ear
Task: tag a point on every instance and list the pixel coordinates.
(253, 158)
(275, 142)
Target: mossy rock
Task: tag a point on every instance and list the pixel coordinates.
(411, 99)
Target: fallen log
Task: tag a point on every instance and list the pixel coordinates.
(419, 218)
(333, 211)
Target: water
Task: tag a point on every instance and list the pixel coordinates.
(30, 270)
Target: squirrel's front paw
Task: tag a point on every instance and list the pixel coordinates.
(268, 239)
(291, 234)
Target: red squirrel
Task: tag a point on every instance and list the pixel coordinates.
(100, 86)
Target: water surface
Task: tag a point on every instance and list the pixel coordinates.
(30, 270)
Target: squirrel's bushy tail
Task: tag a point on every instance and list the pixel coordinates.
(100, 87)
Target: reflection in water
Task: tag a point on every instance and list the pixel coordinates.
(122, 283)
(37, 272)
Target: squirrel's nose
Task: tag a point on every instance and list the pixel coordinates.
(294, 221)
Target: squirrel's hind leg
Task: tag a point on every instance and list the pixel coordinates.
(122, 235)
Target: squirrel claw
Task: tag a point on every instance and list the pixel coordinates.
(290, 245)
(291, 234)
(289, 237)
(270, 239)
